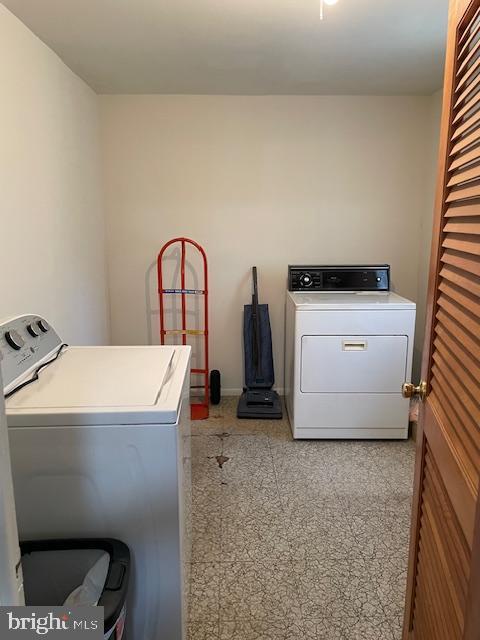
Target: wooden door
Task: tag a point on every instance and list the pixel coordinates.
(443, 589)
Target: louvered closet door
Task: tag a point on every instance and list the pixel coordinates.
(443, 593)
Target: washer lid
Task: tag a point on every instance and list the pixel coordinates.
(98, 377)
(104, 385)
(354, 300)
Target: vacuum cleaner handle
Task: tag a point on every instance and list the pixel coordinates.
(255, 283)
(256, 327)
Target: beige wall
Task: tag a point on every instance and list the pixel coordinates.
(426, 226)
(52, 259)
(266, 181)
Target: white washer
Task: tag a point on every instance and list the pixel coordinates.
(100, 447)
(346, 358)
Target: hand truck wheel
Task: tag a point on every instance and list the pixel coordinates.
(215, 386)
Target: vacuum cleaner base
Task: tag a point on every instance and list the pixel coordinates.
(260, 404)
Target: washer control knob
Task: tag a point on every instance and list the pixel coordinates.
(14, 339)
(33, 329)
(43, 326)
(306, 280)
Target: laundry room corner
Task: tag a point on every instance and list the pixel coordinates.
(235, 172)
(240, 319)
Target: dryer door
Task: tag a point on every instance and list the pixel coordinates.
(353, 364)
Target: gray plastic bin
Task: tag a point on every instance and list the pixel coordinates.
(54, 569)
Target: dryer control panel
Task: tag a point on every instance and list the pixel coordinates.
(25, 341)
(339, 278)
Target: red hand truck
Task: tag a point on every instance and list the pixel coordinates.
(199, 410)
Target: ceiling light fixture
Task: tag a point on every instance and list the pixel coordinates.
(322, 6)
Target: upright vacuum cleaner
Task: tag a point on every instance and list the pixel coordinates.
(258, 401)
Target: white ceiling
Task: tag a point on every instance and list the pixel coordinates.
(245, 46)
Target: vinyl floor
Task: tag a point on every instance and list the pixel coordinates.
(296, 539)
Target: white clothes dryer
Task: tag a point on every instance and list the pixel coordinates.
(348, 351)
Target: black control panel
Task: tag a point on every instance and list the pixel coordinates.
(339, 278)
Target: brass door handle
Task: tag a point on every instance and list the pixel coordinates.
(409, 390)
